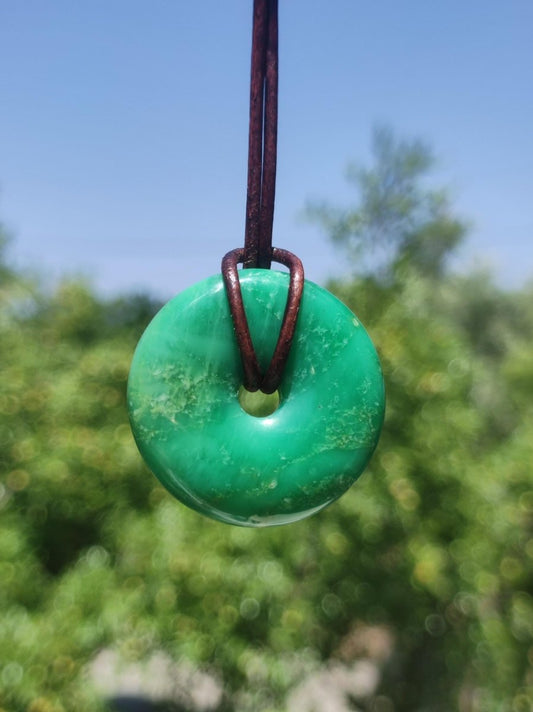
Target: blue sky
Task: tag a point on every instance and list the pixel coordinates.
(123, 129)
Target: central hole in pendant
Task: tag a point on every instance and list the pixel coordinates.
(257, 403)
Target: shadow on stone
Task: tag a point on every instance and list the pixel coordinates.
(131, 703)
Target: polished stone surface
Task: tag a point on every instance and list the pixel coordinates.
(183, 397)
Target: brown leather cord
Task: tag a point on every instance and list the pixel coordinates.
(263, 135)
(253, 380)
(258, 250)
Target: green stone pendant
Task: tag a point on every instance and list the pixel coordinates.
(248, 458)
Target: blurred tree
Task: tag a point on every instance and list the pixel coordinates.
(452, 415)
(5, 271)
(397, 220)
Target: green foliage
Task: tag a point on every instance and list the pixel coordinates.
(434, 543)
(454, 543)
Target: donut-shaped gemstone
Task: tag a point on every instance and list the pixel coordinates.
(187, 419)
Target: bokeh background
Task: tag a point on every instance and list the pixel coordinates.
(404, 185)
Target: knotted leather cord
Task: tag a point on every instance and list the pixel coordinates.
(258, 250)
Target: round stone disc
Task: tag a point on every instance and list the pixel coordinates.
(183, 398)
